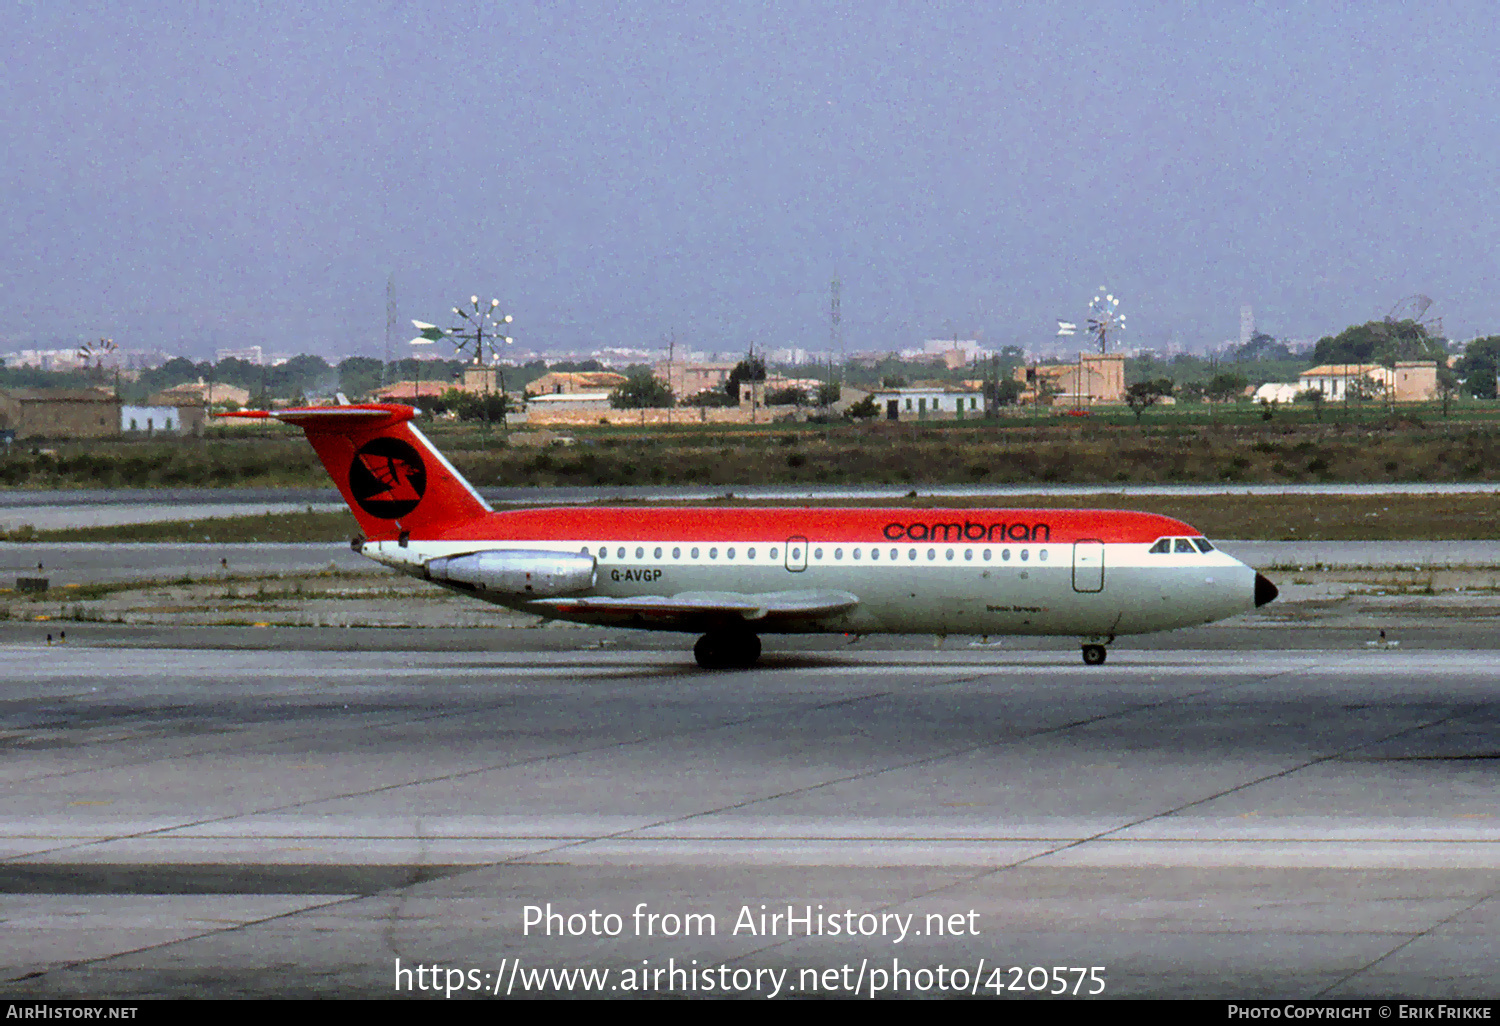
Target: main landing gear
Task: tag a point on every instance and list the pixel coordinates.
(727, 650)
(1094, 655)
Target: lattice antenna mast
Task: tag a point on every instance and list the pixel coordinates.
(392, 327)
(835, 320)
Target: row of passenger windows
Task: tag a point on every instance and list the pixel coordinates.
(986, 555)
(1181, 545)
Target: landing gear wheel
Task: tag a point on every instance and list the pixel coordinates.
(724, 651)
(1094, 655)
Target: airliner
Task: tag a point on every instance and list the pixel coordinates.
(732, 575)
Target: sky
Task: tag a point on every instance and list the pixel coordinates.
(204, 175)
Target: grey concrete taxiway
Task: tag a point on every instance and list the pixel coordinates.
(1204, 822)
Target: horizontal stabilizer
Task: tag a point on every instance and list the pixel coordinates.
(330, 418)
(397, 485)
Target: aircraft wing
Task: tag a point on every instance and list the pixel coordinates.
(694, 610)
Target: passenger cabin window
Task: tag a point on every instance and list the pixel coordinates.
(1183, 545)
(1162, 545)
(1203, 545)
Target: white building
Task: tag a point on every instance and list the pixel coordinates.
(936, 403)
(1277, 392)
(150, 420)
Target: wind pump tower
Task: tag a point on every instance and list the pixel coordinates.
(1105, 318)
(1414, 309)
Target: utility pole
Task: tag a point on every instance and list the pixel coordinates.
(671, 353)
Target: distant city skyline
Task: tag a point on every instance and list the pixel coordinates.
(199, 178)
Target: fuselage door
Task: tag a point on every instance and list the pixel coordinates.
(1088, 566)
(796, 554)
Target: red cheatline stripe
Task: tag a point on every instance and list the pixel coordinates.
(823, 526)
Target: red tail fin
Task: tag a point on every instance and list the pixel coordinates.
(391, 476)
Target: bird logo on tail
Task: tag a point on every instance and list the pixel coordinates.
(387, 478)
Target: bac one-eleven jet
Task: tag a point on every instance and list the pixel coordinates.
(732, 575)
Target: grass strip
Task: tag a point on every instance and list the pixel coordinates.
(1251, 517)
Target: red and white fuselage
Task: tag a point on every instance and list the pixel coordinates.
(731, 573)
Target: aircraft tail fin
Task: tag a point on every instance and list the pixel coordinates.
(394, 480)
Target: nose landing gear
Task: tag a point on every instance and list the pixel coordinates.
(727, 650)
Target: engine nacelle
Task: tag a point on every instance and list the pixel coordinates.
(529, 573)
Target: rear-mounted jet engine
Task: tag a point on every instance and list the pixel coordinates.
(534, 574)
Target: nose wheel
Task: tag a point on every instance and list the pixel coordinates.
(1094, 655)
(727, 651)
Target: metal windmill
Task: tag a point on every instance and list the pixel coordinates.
(1105, 318)
(97, 351)
(1414, 309)
(480, 335)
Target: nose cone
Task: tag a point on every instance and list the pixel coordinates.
(1265, 591)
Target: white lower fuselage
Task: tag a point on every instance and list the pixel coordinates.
(1082, 588)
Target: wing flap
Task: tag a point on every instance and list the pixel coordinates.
(699, 606)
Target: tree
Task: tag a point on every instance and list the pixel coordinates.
(1143, 395)
(1380, 342)
(1263, 347)
(894, 381)
(641, 390)
(1005, 392)
(710, 397)
(864, 409)
(1479, 366)
(830, 393)
(788, 396)
(1313, 396)
(359, 376)
(1226, 386)
(1362, 389)
(485, 406)
(751, 368)
(1447, 387)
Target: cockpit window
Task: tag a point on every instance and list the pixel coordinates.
(1203, 545)
(1162, 545)
(1183, 545)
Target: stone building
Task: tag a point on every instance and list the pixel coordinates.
(687, 379)
(575, 382)
(59, 412)
(200, 393)
(1410, 381)
(1093, 378)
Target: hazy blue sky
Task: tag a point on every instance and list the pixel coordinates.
(238, 173)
